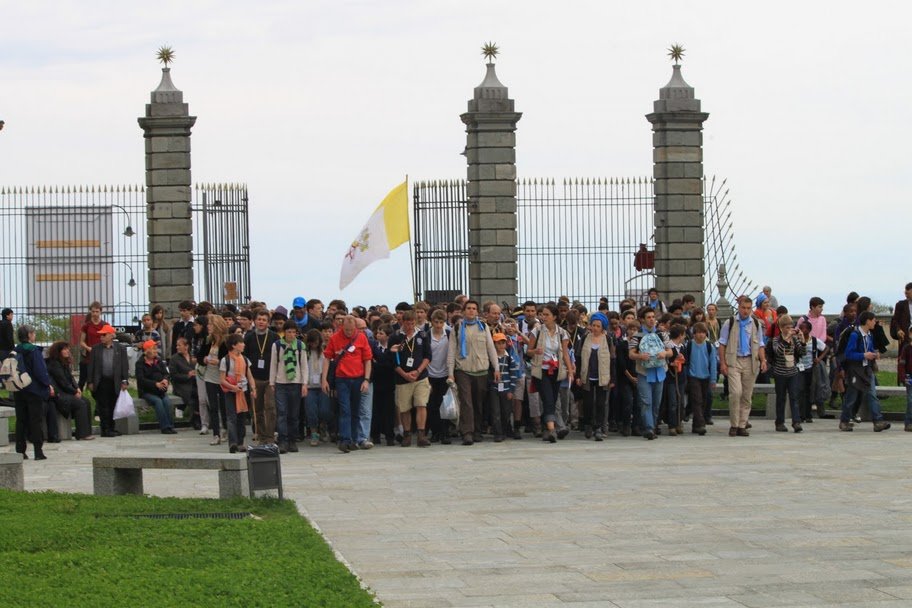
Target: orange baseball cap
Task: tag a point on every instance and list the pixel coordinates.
(500, 338)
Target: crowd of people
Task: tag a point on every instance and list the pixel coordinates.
(356, 377)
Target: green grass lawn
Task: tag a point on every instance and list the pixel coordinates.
(77, 550)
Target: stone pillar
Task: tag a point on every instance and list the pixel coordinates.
(166, 127)
(677, 139)
(491, 191)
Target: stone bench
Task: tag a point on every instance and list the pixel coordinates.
(122, 474)
(130, 425)
(5, 414)
(11, 475)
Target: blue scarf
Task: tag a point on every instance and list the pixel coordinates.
(744, 336)
(462, 335)
(302, 322)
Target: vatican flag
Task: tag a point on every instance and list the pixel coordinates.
(386, 229)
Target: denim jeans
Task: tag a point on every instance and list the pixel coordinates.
(162, 411)
(650, 398)
(365, 413)
(317, 407)
(234, 421)
(348, 393)
(856, 392)
(288, 411)
(789, 385)
(548, 390)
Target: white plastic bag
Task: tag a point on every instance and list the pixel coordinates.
(124, 407)
(449, 408)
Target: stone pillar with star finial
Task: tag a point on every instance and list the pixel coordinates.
(677, 139)
(166, 127)
(491, 188)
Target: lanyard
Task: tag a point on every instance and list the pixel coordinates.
(262, 346)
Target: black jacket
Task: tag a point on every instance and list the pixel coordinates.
(61, 378)
(121, 365)
(148, 374)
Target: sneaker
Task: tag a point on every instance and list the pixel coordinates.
(743, 433)
(881, 425)
(406, 440)
(588, 432)
(467, 439)
(748, 425)
(314, 439)
(178, 413)
(232, 449)
(672, 431)
(680, 429)
(699, 430)
(561, 434)
(216, 440)
(625, 430)
(517, 434)
(292, 446)
(733, 432)
(781, 428)
(365, 445)
(797, 427)
(344, 447)
(204, 430)
(283, 448)
(856, 419)
(599, 436)
(650, 435)
(498, 438)
(846, 426)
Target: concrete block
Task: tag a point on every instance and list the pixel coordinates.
(233, 484)
(679, 218)
(160, 277)
(127, 426)
(679, 251)
(116, 482)
(495, 156)
(505, 171)
(492, 221)
(491, 188)
(478, 238)
(5, 414)
(168, 194)
(170, 260)
(678, 186)
(504, 237)
(12, 476)
(685, 154)
(507, 270)
(168, 177)
(481, 172)
(497, 254)
(489, 287)
(170, 293)
(496, 139)
(64, 427)
(505, 204)
(167, 144)
(167, 160)
(161, 227)
(182, 276)
(690, 137)
(169, 110)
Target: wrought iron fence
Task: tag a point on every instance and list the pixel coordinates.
(579, 237)
(65, 246)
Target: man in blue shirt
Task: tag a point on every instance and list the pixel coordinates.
(650, 365)
(742, 357)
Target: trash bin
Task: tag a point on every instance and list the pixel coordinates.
(264, 471)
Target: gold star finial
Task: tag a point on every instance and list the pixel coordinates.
(489, 51)
(165, 55)
(676, 52)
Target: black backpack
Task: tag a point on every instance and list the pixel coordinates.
(842, 342)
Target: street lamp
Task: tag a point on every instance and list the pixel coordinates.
(132, 281)
(128, 231)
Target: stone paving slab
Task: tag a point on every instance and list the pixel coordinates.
(804, 521)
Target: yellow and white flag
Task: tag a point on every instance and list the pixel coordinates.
(386, 229)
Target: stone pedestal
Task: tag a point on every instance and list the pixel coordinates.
(677, 140)
(166, 127)
(11, 474)
(491, 191)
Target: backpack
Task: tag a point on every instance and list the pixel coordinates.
(651, 344)
(13, 373)
(841, 344)
(769, 342)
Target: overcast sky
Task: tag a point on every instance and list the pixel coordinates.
(322, 107)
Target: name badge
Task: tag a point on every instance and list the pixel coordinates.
(351, 348)
(261, 364)
(801, 367)
(410, 362)
(500, 387)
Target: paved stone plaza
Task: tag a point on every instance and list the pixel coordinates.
(818, 519)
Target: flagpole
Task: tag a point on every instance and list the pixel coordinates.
(411, 247)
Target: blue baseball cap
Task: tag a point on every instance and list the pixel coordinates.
(299, 302)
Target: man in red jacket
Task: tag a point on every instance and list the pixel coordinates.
(349, 349)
